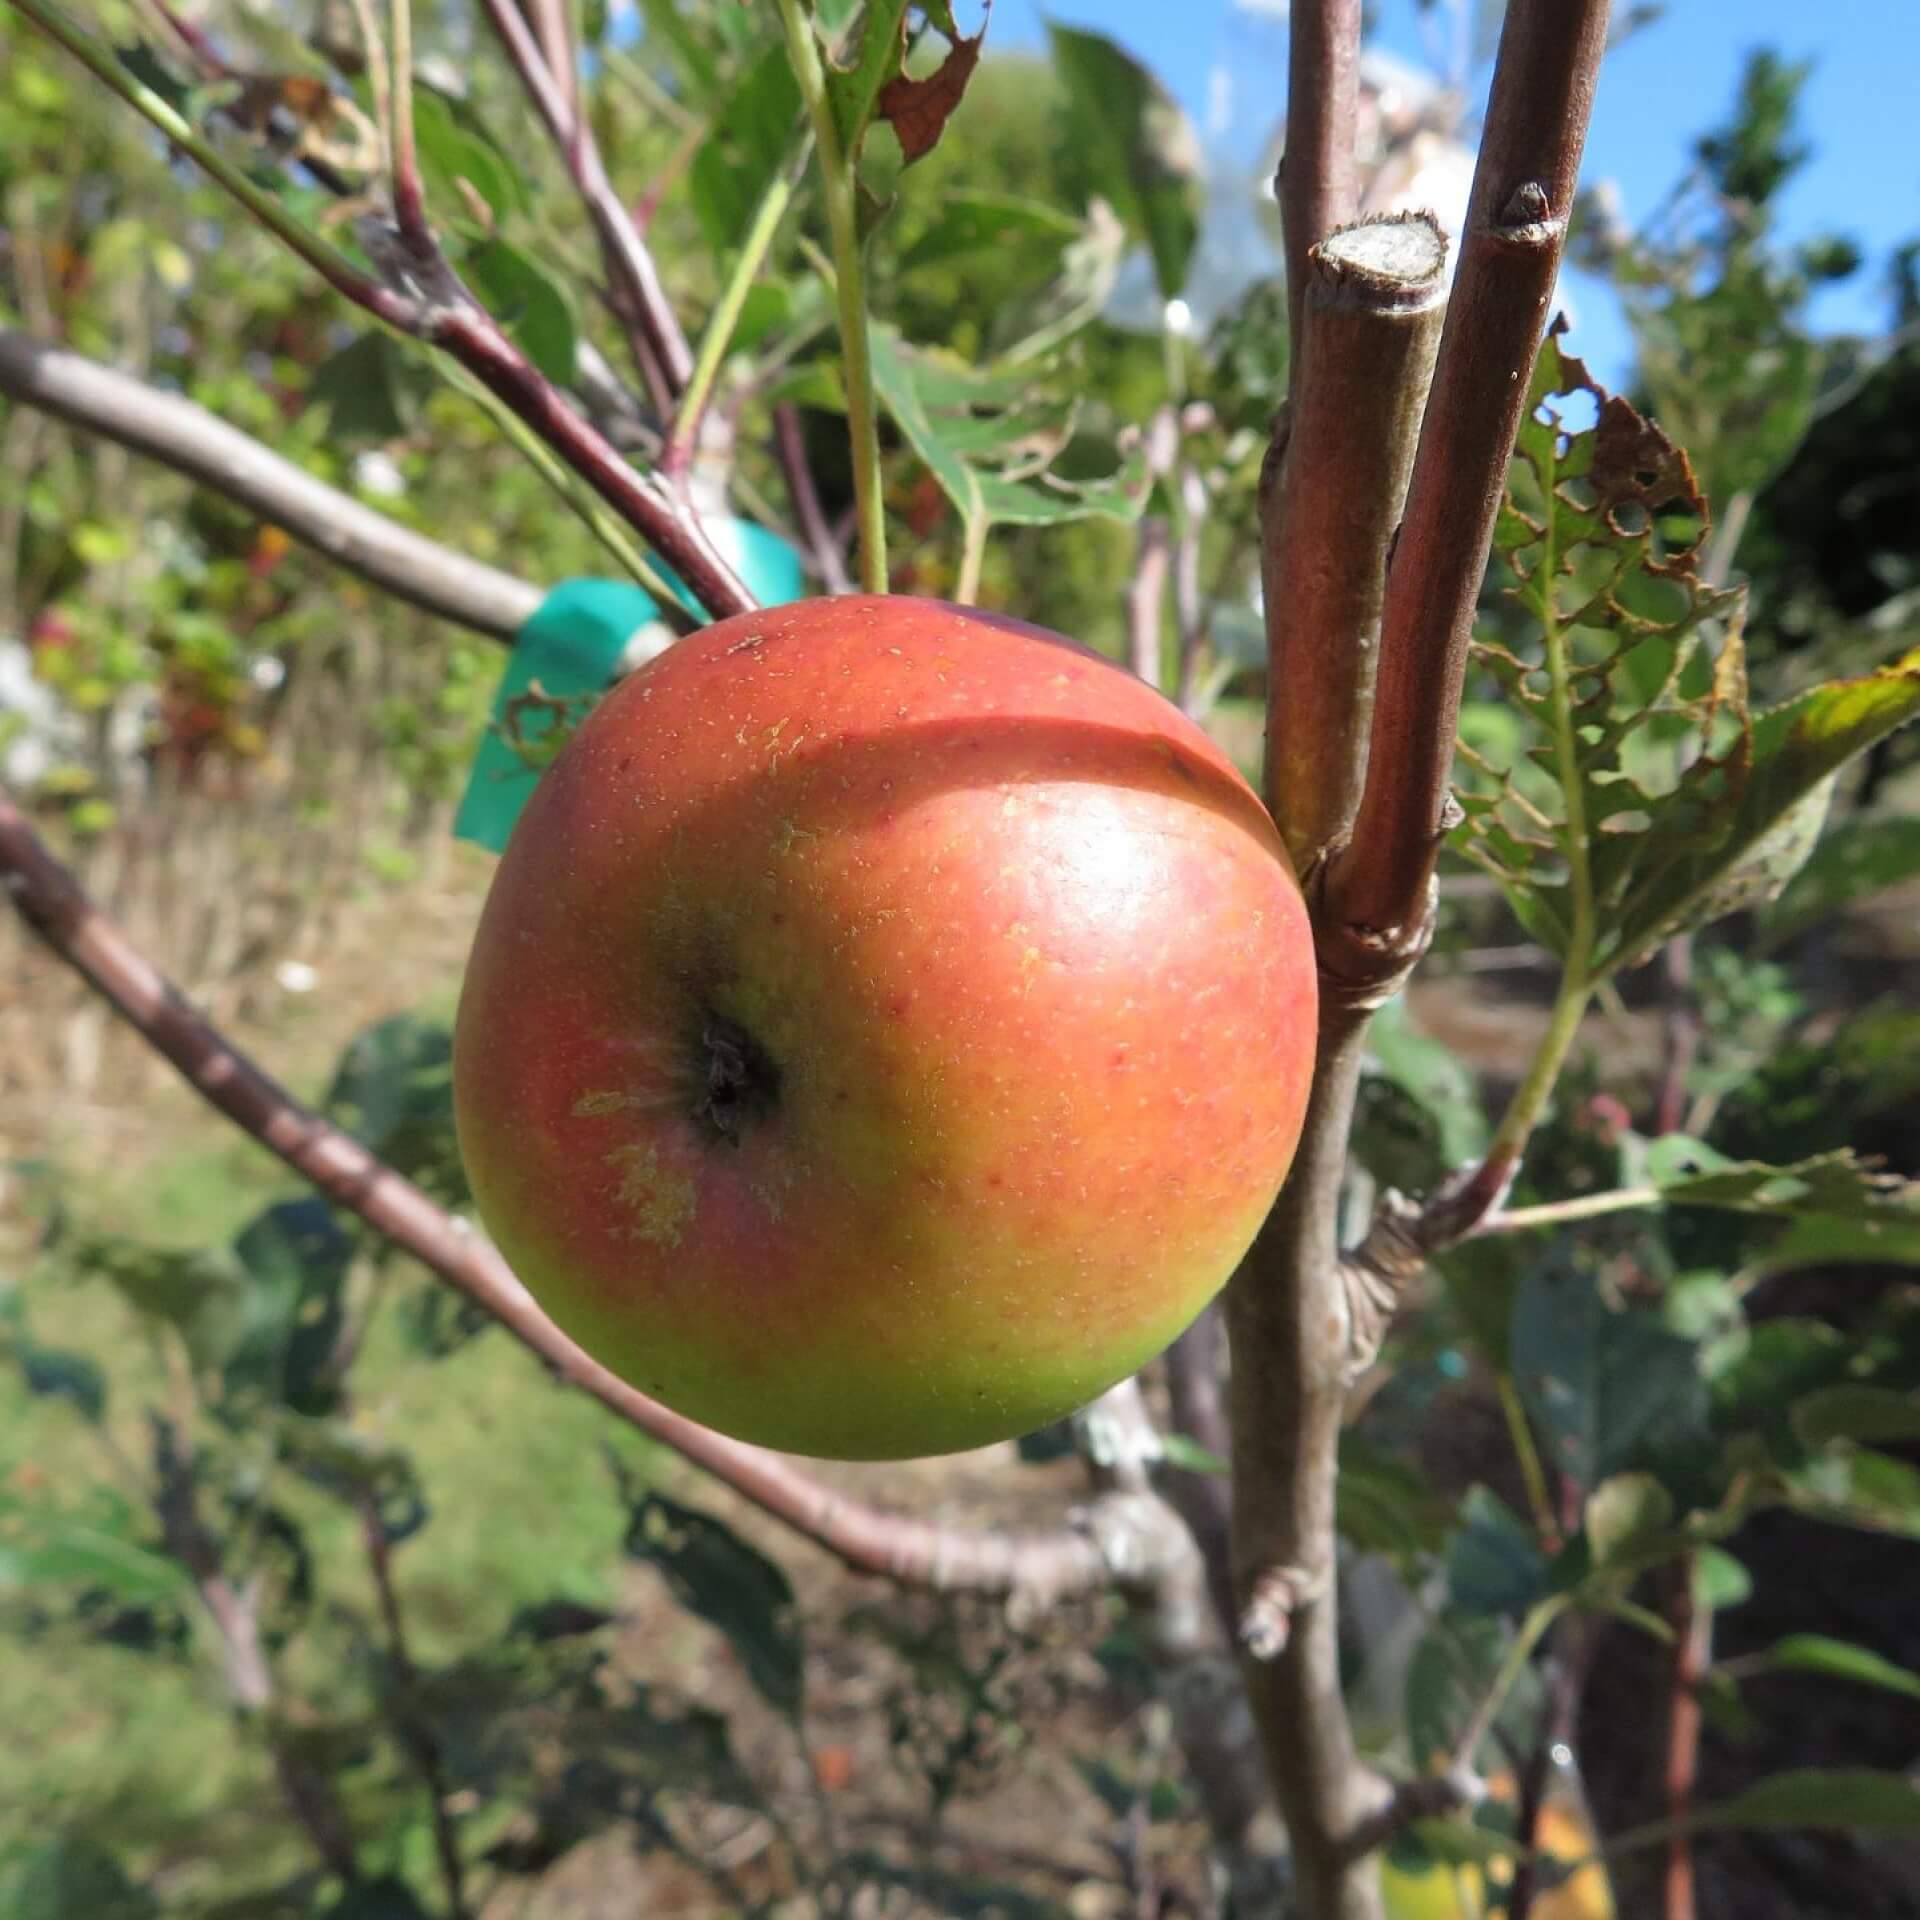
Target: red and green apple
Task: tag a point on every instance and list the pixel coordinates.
(888, 1027)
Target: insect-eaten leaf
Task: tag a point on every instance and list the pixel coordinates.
(1646, 798)
(873, 83)
(1877, 1213)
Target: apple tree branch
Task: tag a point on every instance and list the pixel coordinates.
(1114, 1548)
(194, 442)
(417, 293)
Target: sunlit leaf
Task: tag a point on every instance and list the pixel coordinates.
(1637, 737)
(971, 223)
(1140, 150)
(989, 437)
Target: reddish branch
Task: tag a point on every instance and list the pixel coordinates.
(1316, 179)
(1523, 186)
(1692, 1655)
(790, 442)
(1040, 1565)
(415, 291)
(637, 297)
(1370, 313)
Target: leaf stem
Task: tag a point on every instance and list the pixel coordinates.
(1533, 1628)
(1585, 1206)
(603, 525)
(843, 221)
(1528, 1454)
(1576, 985)
(683, 442)
(973, 554)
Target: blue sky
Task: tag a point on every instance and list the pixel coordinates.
(1659, 91)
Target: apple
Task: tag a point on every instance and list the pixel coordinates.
(887, 1029)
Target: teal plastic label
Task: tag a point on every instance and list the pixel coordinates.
(562, 661)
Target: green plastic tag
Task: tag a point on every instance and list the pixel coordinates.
(562, 660)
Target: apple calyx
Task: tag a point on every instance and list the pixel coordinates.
(740, 1083)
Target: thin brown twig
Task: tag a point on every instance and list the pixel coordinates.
(1523, 186)
(1121, 1545)
(414, 1728)
(418, 294)
(828, 557)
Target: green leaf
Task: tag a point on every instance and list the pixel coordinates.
(199, 1291)
(745, 147)
(97, 1545)
(295, 1258)
(988, 437)
(1840, 1659)
(853, 85)
(1384, 1504)
(531, 304)
(393, 1091)
(1419, 1113)
(1862, 856)
(1494, 1564)
(1719, 1580)
(730, 1585)
(1449, 1673)
(371, 390)
(1139, 149)
(1860, 1487)
(972, 223)
(1602, 1382)
(350, 1464)
(1839, 1184)
(50, 1373)
(1636, 741)
(1625, 1510)
(451, 153)
(67, 1877)
(1875, 1414)
(1840, 1800)
(387, 1898)
(1796, 748)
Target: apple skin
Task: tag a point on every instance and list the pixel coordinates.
(889, 1026)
